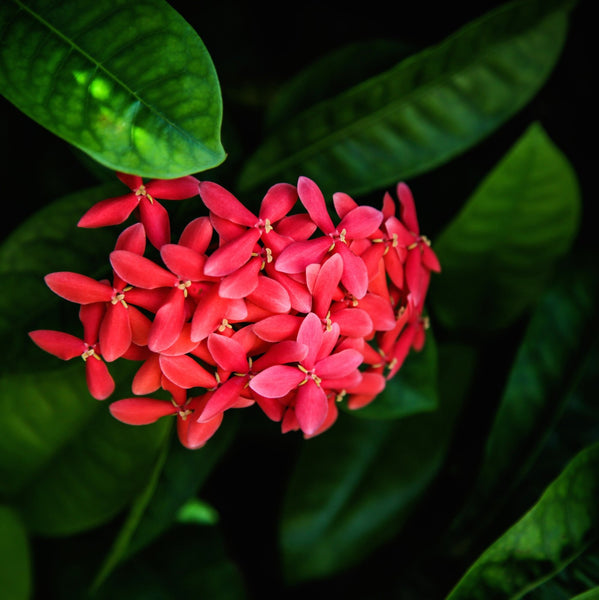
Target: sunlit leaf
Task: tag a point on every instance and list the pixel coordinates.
(129, 83)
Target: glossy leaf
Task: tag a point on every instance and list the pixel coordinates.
(411, 391)
(354, 487)
(15, 562)
(499, 251)
(422, 112)
(561, 525)
(129, 83)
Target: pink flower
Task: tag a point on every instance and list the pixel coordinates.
(154, 217)
(358, 223)
(309, 377)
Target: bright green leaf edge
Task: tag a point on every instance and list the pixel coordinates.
(131, 84)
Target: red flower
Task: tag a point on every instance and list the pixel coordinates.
(67, 347)
(153, 215)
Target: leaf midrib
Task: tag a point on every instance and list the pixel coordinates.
(99, 66)
(378, 115)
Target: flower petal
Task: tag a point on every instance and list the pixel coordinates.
(156, 222)
(228, 353)
(62, 345)
(99, 380)
(141, 411)
(115, 332)
(78, 288)
(183, 261)
(140, 271)
(232, 255)
(361, 222)
(313, 200)
(339, 364)
(185, 372)
(173, 189)
(311, 407)
(224, 204)
(276, 381)
(112, 211)
(278, 201)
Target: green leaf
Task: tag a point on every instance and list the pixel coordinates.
(50, 240)
(198, 512)
(186, 562)
(423, 112)
(500, 250)
(354, 487)
(89, 472)
(329, 76)
(557, 529)
(129, 83)
(15, 564)
(547, 365)
(411, 391)
(589, 595)
(168, 496)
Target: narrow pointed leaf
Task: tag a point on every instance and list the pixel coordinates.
(106, 74)
(422, 112)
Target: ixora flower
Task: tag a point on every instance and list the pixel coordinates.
(291, 312)
(114, 211)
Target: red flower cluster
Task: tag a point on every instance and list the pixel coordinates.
(291, 312)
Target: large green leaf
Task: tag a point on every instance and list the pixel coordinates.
(129, 83)
(424, 111)
(15, 564)
(499, 251)
(68, 462)
(354, 487)
(557, 529)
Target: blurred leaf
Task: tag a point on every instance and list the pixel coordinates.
(547, 365)
(50, 240)
(424, 111)
(354, 487)
(89, 473)
(15, 567)
(329, 76)
(589, 595)
(186, 562)
(411, 391)
(580, 577)
(129, 83)
(557, 529)
(177, 476)
(499, 251)
(197, 512)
